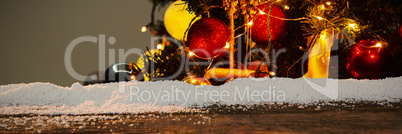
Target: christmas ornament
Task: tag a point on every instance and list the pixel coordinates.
(118, 72)
(259, 27)
(225, 64)
(177, 19)
(319, 57)
(197, 81)
(220, 72)
(369, 59)
(227, 73)
(219, 76)
(141, 60)
(259, 67)
(208, 37)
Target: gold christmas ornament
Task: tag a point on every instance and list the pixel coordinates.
(177, 19)
(197, 81)
(227, 73)
(140, 61)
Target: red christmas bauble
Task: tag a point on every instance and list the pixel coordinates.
(259, 28)
(369, 59)
(207, 38)
(262, 71)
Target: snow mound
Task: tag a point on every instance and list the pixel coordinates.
(176, 96)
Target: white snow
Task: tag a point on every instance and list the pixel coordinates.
(176, 96)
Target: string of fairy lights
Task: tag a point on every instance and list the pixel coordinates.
(314, 15)
(322, 16)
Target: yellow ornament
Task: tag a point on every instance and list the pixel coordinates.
(140, 61)
(177, 19)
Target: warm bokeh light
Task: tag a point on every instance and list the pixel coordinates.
(191, 54)
(159, 46)
(261, 12)
(378, 45)
(227, 46)
(328, 3)
(272, 73)
(353, 26)
(319, 18)
(132, 77)
(322, 7)
(286, 7)
(144, 29)
(301, 48)
(197, 81)
(250, 23)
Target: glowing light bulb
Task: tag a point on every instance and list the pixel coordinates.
(322, 7)
(227, 46)
(144, 29)
(352, 25)
(191, 54)
(132, 77)
(250, 23)
(159, 46)
(378, 45)
(272, 73)
(261, 12)
(286, 7)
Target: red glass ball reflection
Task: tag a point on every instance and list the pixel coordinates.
(207, 38)
(369, 59)
(259, 28)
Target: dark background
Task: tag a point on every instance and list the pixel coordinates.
(34, 36)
